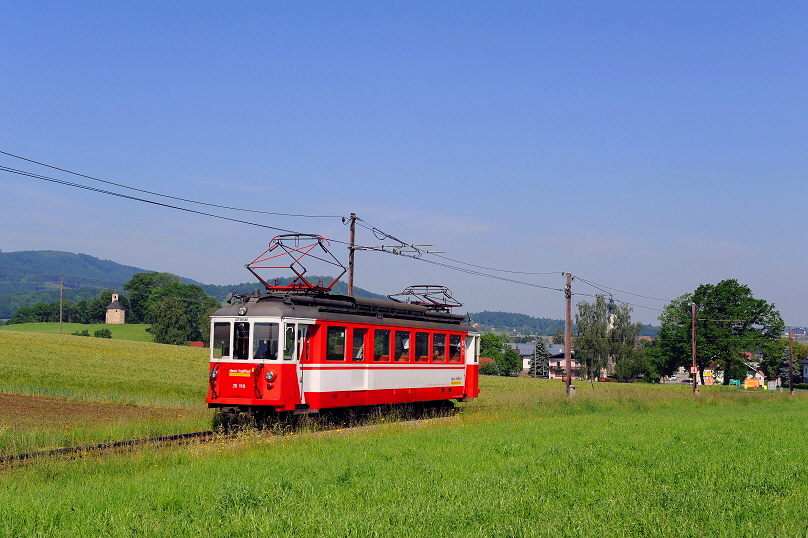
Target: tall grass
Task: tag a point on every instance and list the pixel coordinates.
(701, 469)
(522, 460)
(102, 369)
(165, 384)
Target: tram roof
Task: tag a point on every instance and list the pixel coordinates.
(344, 308)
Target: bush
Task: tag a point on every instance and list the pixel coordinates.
(102, 333)
(85, 332)
(488, 366)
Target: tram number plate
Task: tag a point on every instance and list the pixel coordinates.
(239, 385)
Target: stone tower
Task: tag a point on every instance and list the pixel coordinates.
(115, 311)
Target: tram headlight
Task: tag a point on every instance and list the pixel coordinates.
(242, 310)
(269, 376)
(214, 374)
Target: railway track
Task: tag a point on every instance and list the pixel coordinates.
(337, 419)
(178, 438)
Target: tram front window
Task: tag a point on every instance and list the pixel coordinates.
(221, 340)
(265, 341)
(241, 344)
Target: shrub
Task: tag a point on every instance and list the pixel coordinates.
(102, 333)
(85, 332)
(488, 366)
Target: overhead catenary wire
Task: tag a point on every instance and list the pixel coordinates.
(145, 200)
(599, 286)
(419, 253)
(167, 195)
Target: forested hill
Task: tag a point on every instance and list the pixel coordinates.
(524, 324)
(31, 277)
(528, 325)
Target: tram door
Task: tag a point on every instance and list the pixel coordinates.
(302, 350)
(359, 371)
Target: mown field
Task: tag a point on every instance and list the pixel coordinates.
(130, 331)
(522, 460)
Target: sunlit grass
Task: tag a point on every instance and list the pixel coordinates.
(130, 331)
(522, 460)
(711, 469)
(102, 369)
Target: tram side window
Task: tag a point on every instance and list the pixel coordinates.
(439, 348)
(241, 343)
(454, 348)
(221, 340)
(381, 345)
(335, 351)
(422, 347)
(265, 341)
(289, 343)
(358, 347)
(402, 346)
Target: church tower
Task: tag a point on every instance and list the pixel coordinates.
(115, 311)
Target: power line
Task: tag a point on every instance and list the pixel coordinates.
(598, 286)
(94, 189)
(379, 234)
(169, 196)
(472, 272)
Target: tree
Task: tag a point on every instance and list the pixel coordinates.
(632, 367)
(729, 320)
(606, 336)
(558, 336)
(169, 321)
(147, 290)
(505, 360)
(140, 288)
(540, 362)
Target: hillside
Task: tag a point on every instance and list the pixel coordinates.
(523, 324)
(31, 277)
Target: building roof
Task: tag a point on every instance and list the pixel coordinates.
(115, 305)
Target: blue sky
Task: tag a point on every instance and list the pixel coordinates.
(644, 146)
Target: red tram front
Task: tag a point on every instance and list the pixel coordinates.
(275, 353)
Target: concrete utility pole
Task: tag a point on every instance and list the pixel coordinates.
(694, 368)
(568, 335)
(351, 251)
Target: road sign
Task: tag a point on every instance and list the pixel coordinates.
(694, 369)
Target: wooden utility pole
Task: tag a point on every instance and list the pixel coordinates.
(694, 368)
(351, 251)
(61, 289)
(568, 335)
(790, 363)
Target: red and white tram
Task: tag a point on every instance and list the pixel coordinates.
(290, 350)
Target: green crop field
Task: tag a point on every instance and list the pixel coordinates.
(137, 389)
(129, 331)
(522, 460)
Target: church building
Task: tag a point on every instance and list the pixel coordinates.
(115, 311)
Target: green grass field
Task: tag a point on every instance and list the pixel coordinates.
(163, 385)
(522, 460)
(130, 331)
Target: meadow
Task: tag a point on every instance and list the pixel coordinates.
(522, 460)
(130, 331)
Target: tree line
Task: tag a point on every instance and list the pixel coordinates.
(83, 311)
(730, 323)
(177, 312)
